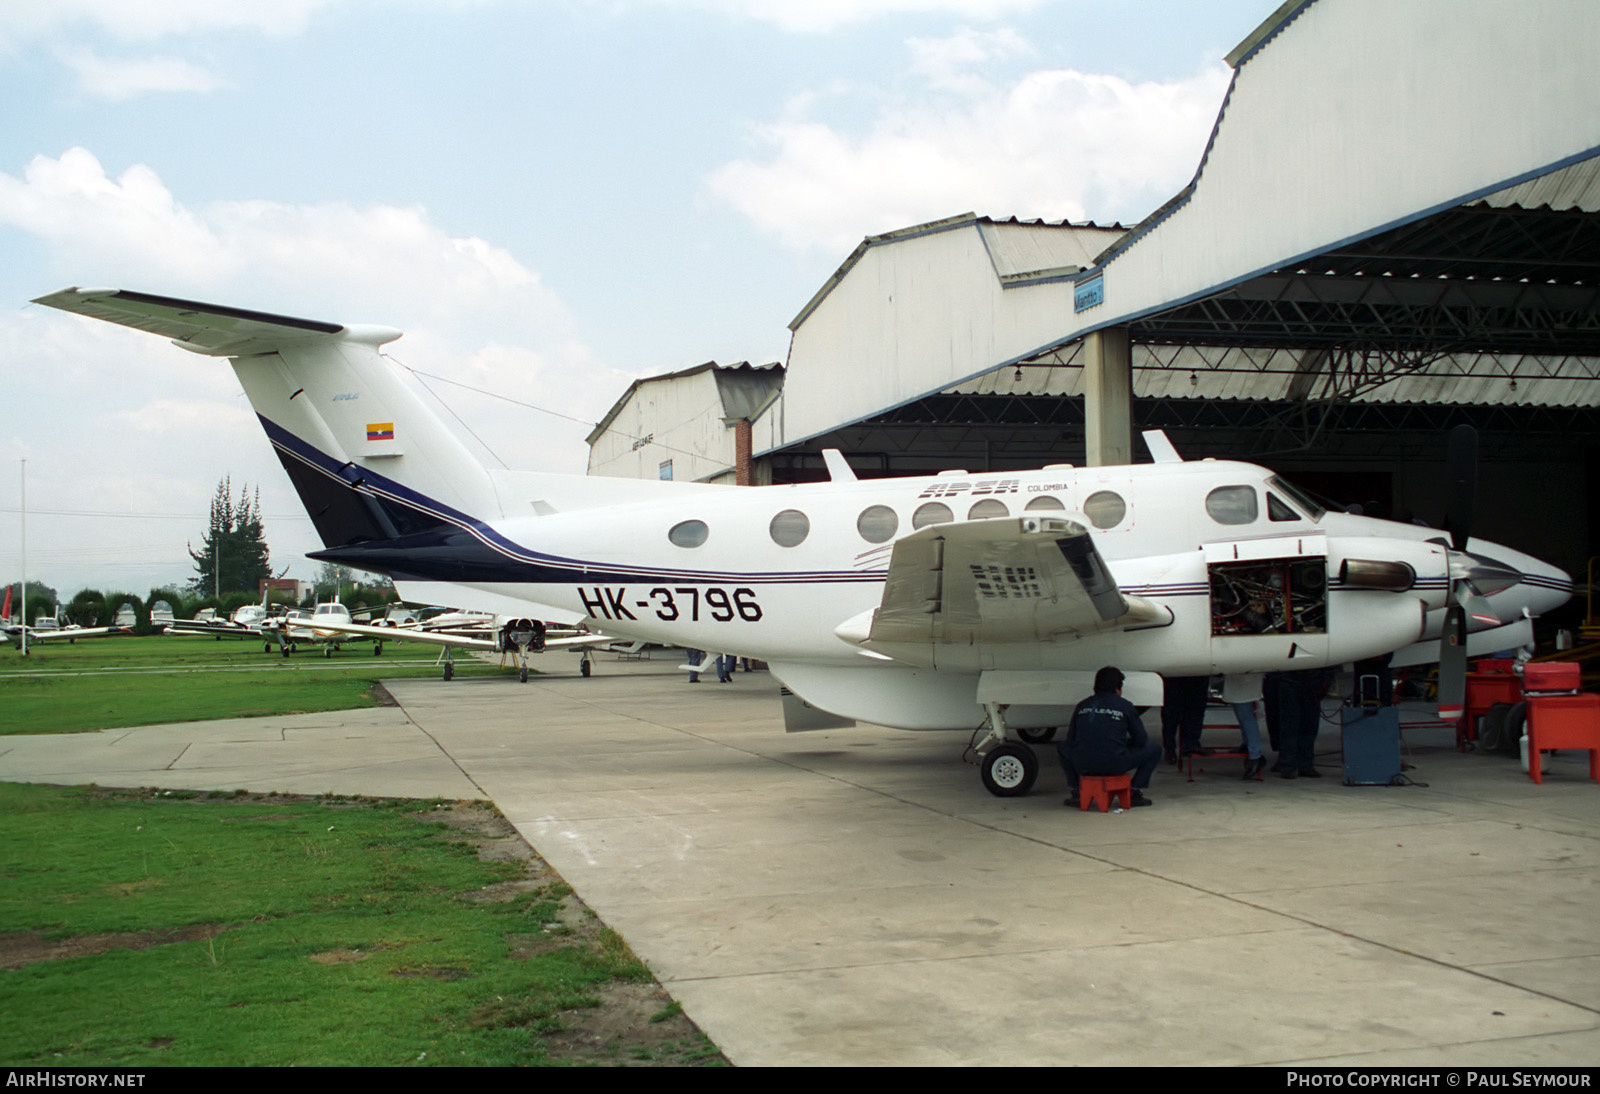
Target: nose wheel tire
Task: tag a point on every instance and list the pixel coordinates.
(1009, 770)
(1038, 736)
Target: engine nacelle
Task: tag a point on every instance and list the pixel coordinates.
(521, 634)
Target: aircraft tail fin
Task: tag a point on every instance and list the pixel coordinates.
(5, 609)
(369, 459)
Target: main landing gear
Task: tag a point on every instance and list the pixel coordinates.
(1008, 769)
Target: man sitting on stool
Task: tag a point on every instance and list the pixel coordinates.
(1106, 737)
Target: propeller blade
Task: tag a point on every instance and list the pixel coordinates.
(1453, 664)
(1461, 463)
(1476, 604)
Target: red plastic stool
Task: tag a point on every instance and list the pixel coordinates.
(1103, 790)
(1563, 721)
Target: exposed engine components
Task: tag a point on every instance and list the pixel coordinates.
(1269, 596)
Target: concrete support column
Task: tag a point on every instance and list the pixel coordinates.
(1108, 397)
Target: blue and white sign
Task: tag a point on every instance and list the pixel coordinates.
(1086, 294)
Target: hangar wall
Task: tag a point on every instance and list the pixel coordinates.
(1361, 113)
(1352, 115)
(679, 425)
(911, 310)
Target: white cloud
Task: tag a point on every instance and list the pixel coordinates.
(944, 61)
(125, 78)
(122, 421)
(1053, 143)
(818, 16)
(132, 227)
(130, 223)
(147, 20)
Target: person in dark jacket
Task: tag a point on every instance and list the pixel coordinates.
(1107, 737)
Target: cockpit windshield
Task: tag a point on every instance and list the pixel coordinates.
(1296, 495)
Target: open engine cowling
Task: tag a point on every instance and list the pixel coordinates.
(521, 634)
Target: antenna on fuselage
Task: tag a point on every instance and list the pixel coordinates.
(838, 469)
(1161, 450)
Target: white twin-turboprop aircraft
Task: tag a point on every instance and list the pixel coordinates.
(928, 602)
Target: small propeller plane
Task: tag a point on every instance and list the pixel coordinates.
(331, 625)
(948, 601)
(46, 628)
(245, 622)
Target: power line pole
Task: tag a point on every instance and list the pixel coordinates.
(24, 558)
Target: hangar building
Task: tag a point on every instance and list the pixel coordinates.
(1394, 228)
(693, 424)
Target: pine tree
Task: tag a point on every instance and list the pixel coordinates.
(234, 556)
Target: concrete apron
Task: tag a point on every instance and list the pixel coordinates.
(856, 897)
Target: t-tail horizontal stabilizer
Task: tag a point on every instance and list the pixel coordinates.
(370, 460)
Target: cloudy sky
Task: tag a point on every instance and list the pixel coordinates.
(550, 198)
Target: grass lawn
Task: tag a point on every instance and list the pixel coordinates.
(101, 683)
(141, 928)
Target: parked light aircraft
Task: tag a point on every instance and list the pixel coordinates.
(954, 600)
(245, 622)
(513, 638)
(46, 628)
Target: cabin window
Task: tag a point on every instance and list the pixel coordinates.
(1105, 509)
(877, 524)
(1277, 509)
(1044, 501)
(690, 533)
(789, 528)
(933, 512)
(987, 508)
(1297, 495)
(1233, 505)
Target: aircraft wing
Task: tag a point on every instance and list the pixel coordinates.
(396, 634)
(219, 627)
(1009, 579)
(204, 328)
(58, 634)
(444, 638)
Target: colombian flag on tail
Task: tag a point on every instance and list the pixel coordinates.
(380, 431)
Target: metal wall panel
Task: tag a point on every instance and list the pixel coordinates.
(910, 318)
(1363, 113)
(1355, 116)
(677, 418)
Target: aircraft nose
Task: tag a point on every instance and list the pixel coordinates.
(1488, 575)
(1536, 585)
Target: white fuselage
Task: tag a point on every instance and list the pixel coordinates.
(739, 589)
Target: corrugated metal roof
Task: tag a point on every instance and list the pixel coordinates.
(1218, 372)
(1018, 249)
(746, 366)
(1576, 187)
(1022, 249)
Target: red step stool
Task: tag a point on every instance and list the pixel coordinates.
(1563, 721)
(1103, 790)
